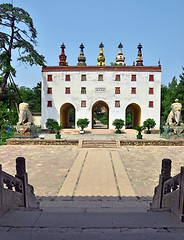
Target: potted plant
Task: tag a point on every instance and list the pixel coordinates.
(118, 123)
(82, 123)
(139, 129)
(58, 127)
(149, 123)
(50, 124)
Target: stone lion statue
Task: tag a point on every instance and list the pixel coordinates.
(174, 117)
(25, 118)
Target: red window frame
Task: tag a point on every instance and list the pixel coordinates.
(151, 90)
(133, 90)
(117, 103)
(49, 78)
(49, 90)
(67, 77)
(117, 78)
(151, 78)
(49, 103)
(151, 104)
(67, 90)
(117, 90)
(134, 78)
(83, 103)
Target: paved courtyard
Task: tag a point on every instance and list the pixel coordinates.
(57, 171)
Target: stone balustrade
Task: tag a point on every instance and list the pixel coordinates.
(15, 192)
(169, 194)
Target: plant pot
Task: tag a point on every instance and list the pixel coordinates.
(118, 131)
(58, 136)
(148, 132)
(139, 136)
(81, 131)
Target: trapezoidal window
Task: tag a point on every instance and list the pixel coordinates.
(49, 78)
(117, 90)
(151, 91)
(83, 103)
(83, 77)
(151, 104)
(67, 78)
(117, 78)
(49, 90)
(100, 77)
(151, 78)
(83, 90)
(49, 103)
(133, 78)
(67, 90)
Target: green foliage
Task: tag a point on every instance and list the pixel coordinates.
(101, 116)
(51, 124)
(139, 129)
(72, 117)
(32, 96)
(18, 33)
(118, 123)
(149, 123)
(82, 123)
(128, 117)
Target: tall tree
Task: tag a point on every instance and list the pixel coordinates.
(18, 33)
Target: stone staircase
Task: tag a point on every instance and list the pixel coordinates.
(29, 225)
(99, 144)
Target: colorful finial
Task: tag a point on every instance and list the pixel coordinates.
(139, 56)
(81, 58)
(120, 58)
(101, 58)
(63, 57)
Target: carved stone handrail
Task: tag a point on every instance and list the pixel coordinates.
(169, 194)
(15, 192)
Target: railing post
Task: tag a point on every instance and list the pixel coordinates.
(1, 187)
(165, 175)
(181, 195)
(21, 174)
(20, 168)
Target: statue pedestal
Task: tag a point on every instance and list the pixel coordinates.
(173, 131)
(26, 131)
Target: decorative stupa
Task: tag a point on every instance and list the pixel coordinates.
(63, 57)
(139, 56)
(101, 58)
(120, 58)
(81, 58)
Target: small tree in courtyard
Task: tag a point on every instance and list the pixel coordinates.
(118, 123)
(149, 123)
(82, 123)
(51, 124)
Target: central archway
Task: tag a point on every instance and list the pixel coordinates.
(67, 115)
(104, 108)
(135, 114)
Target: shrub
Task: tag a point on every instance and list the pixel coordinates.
(82, 123)
(149, 123)
(118, 123)
(51, 124)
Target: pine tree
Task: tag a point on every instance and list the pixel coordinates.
(18, 33)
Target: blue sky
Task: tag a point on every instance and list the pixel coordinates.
(157, 25)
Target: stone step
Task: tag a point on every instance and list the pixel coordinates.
(99, 144)
(43, 225)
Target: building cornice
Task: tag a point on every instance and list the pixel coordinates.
(104, 68)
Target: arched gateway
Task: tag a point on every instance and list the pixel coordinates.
(104, 106)
(136, 114)
(64, 114)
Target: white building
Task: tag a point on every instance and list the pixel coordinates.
(86, 87)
